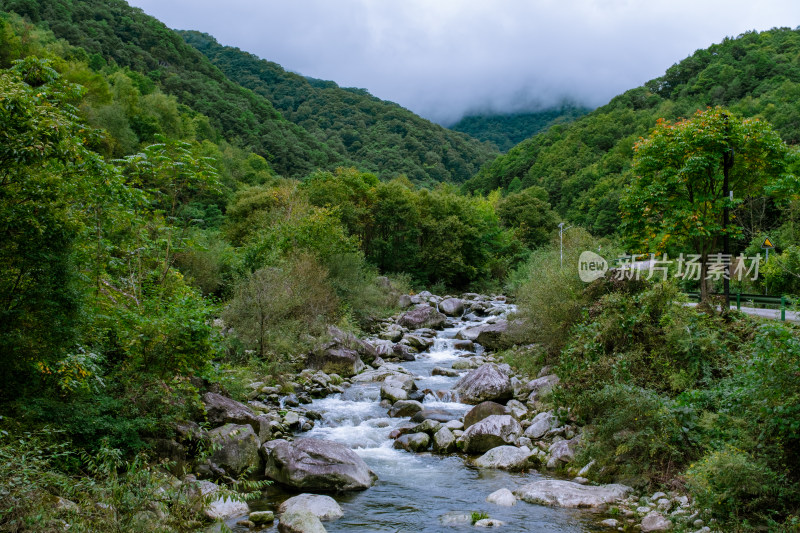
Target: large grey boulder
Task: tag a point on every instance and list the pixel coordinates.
(418, 342)
(541, 386)
(502, 497)
(335, 360)
(300, 522)
(393, 391)
(314, 464)
(490, 336)
(444, 441)
(404, 408)
(487, 382)
(562, 451)
(423, 316)
(321, 506)
(655, 521)
(222, 410)
(218, 508)
(491, 432)
(365, 349)
(413, 442)
(383, 372)
(569, 494)
(236, 448)
(505, 458)
(452, 306)
(439, 415)
(481, 411)
(541, 424)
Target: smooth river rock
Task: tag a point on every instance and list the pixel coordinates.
(490, 336)
(423, 316)
(321, 506)
(404, 408)
(502, 497)
(481, 411)
(412, 442)
(237, 448)
(505, 458)
(336, 360)
(541, 424)
(300, 522)
(452, 306)
(568, 494)
(491, 432)
(444, 441)
(219, 508)
(315, 464)
(487, 382)
(655, 521)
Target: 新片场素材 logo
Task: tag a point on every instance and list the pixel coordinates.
(591, 266)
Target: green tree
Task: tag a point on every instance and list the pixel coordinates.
(529, 214)
(677, 195)
(46, 172)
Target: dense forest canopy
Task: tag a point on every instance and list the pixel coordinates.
(583, 165)
(174, 222)
(245, 105)
(507, 130)
(371, 134)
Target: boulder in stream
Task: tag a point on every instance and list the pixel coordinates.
(404, 408)
(237, 448)
(336, 360)
(502, 497)
(452, 306)
(444, 441)
(321, 506)
(481, 411)
(505, 458)
(413, 442)
(491, 432)
(315, 464)
(490, 336)
(569, 494)
(423, 316)
(486, 382)
(300, 522)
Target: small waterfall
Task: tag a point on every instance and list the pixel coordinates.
(443, 396)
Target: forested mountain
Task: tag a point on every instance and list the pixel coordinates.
(111, 30)
(583, 165)
(376, 135)
(508, 130)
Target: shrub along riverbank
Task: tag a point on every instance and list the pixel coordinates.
(670, 397)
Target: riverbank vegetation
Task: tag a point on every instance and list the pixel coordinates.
(671, 398)
(166, 231)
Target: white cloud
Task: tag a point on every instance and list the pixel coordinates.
(441, 58)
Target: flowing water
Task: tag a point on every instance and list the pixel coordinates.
(415, 491)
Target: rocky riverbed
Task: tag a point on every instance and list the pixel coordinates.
(420, 428)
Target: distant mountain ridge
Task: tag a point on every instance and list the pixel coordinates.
(249, 106)
(505, 130)
(376, 135)
(584, 165)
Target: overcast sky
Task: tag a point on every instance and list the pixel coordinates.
(445, 58)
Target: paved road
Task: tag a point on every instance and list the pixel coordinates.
(791, 316)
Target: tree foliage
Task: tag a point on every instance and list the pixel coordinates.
(583, 165)
(677, 194)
